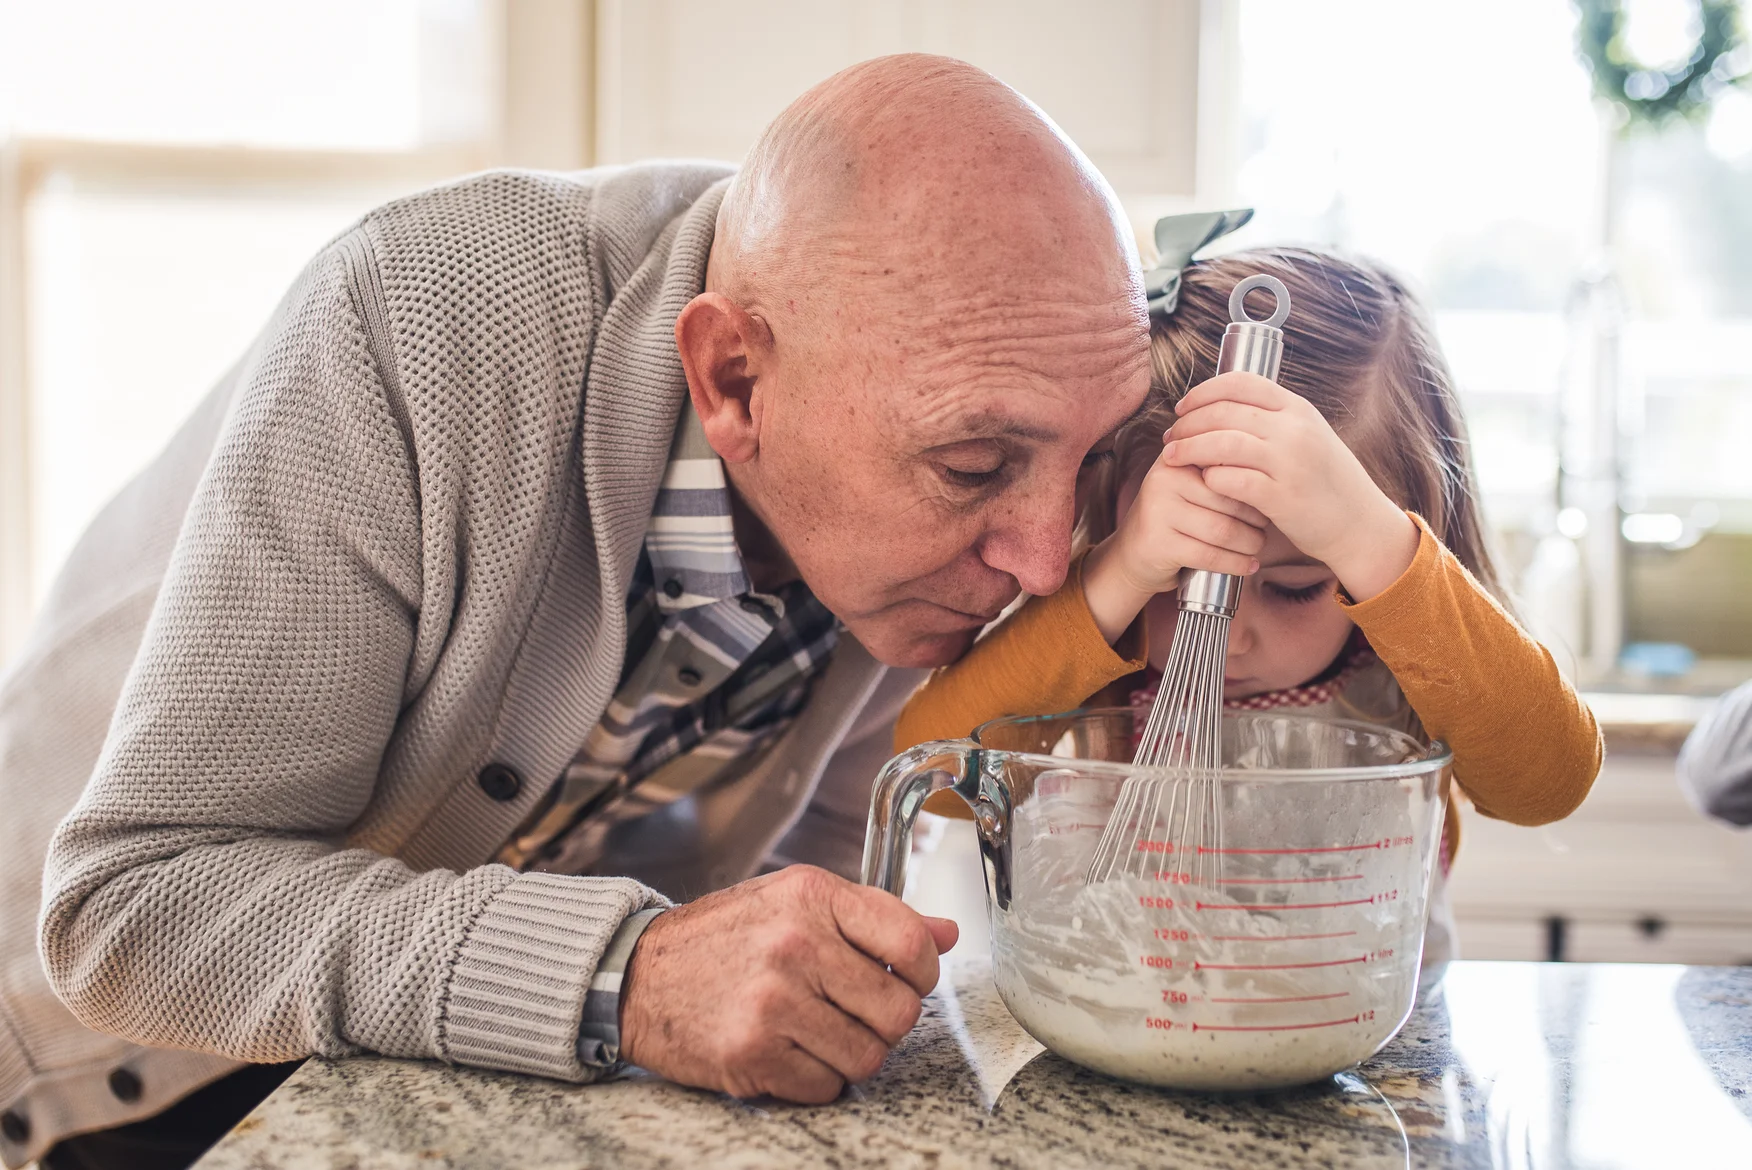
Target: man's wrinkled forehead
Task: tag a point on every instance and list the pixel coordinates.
(1003, 347)
(1033, 411)
(1007, 337)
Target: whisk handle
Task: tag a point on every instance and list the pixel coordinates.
(1202, 591)
(1254, 347)
(1249, 345)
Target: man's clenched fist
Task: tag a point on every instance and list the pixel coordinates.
(790, 984)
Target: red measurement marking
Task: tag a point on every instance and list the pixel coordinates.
(1279, 998)
(1270, 1027)
(1278, 852)
(1197, 966)
(1288, 905)
(1279, 938)
(1348, 877)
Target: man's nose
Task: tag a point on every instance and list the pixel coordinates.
(1033, 543)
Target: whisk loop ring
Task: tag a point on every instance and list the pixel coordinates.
(1238, 300)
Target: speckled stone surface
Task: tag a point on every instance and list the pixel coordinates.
(1510, 1064)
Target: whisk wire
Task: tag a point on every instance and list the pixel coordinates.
(1167, 822)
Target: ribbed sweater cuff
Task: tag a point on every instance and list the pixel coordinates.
(1127, 655)
(516, 993)
(1064, 627)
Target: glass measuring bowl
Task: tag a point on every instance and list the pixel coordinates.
(1298, 961)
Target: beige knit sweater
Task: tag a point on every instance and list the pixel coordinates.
(390, 550)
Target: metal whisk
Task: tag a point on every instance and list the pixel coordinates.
(1170, 821)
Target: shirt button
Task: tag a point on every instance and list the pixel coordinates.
(125, 1085)
(689, 676)
(499, 782)
(753, 605)
(672, 588)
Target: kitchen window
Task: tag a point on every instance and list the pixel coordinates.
(167, 169)
(1462, 144)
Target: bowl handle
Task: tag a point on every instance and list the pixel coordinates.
(901, 789)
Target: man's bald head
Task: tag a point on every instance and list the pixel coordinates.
(922, 312)
(879, 167)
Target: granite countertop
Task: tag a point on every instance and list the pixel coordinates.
(1518, 1064)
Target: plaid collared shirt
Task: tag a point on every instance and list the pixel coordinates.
(714, 672)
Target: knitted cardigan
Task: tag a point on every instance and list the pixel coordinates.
(310, 669)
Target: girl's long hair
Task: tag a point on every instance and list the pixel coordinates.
(1358, 346)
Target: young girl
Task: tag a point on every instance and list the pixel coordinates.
(1344, 493)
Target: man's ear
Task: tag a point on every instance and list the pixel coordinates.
(723, 351)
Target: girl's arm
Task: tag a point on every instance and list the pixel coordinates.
(1526, 748)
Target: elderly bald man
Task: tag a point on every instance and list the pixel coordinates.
(546, 560)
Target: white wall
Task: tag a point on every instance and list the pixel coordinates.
(700, 78)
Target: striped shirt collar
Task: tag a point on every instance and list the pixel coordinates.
(691, 539)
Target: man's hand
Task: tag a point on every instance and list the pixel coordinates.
(791, 984)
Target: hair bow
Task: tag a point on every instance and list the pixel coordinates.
(1178, 239)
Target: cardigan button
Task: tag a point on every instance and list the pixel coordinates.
(125, 1085)
(500, 782)
(15, 1127)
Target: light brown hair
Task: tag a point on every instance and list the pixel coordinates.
(1358, 346)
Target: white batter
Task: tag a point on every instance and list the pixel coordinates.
(1134, 977)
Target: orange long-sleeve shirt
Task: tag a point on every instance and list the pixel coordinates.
(1526, 748)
